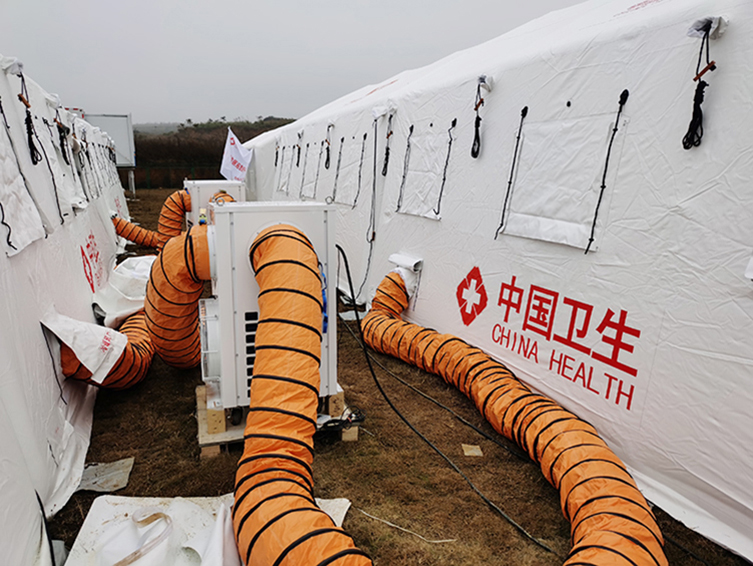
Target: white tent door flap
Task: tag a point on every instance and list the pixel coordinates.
(558, 177)
(424, 170)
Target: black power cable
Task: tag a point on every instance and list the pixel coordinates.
(413, 428)
(489, 437)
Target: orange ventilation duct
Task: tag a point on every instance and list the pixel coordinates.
(275, 517)
(170, 223)
(132, 365)
(172, 294)
(172, 216)
(135, 234)
(611, 522)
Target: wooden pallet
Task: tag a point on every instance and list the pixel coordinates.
(216, 431)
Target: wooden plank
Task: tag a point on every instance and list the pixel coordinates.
(232, 433)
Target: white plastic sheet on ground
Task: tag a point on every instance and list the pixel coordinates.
(200, 532)
(126, 290)
(98, 348)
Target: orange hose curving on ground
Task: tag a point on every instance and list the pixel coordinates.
(175, 285)
(275, 517)
(132, 365)
(611, 522)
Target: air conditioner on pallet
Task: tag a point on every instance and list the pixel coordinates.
(229, 320)
(202, 191)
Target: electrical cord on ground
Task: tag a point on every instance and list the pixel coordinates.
(486, 500)
(513, 451)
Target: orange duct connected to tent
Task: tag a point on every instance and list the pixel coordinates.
(275, 517)
(611, 522)
(170, 222)
(135, 234)
(175, 285)
(132, 365)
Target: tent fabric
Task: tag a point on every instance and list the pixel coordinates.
(646, 336)
(45, 420)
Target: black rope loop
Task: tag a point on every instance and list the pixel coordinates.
(623, 99)
(406, 163)
(476, 147)
(337, 170)
(501, 227)
(387, 145)
(446, 164)
(360, 168)
(327, 146)
(36, 157)
(694, 135)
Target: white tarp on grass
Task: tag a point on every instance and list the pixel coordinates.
(649, 335)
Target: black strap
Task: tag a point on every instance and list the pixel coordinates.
(501, 227)
(623, 99)
(476, 147)
(387, 146)
(446, 163)
(406, 163)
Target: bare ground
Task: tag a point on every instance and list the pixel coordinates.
(389, 473)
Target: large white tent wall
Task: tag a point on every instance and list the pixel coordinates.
(58, 247)
(649, 335)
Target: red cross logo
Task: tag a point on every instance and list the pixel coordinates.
(87, 269)
(471, 296)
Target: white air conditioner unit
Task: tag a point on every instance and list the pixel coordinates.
(202, 191)
(229, 321)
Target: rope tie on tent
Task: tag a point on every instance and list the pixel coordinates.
(290, 171)
(331, 199)
(23, 96)
(277, 153)
(387, 145)
(4, 223)
(695, 130)
(360, 168)
(371, 230)
(32, 131)
(318, 167)
(303, 173)
(446, 164)
(13, 147)
(327, 146)
(501, 227)
(63, 132)
(406, 163)
(282, 166)
(298, 150)
(623, 99)
(476, 147)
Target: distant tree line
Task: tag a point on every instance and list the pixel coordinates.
(197, 144)
(193, 151)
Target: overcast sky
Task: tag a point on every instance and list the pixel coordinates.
(169, 60)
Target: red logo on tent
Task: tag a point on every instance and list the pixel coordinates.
(471, 296)
(87, 269)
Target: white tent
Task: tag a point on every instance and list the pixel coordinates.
(646, 331)
(58, 247)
